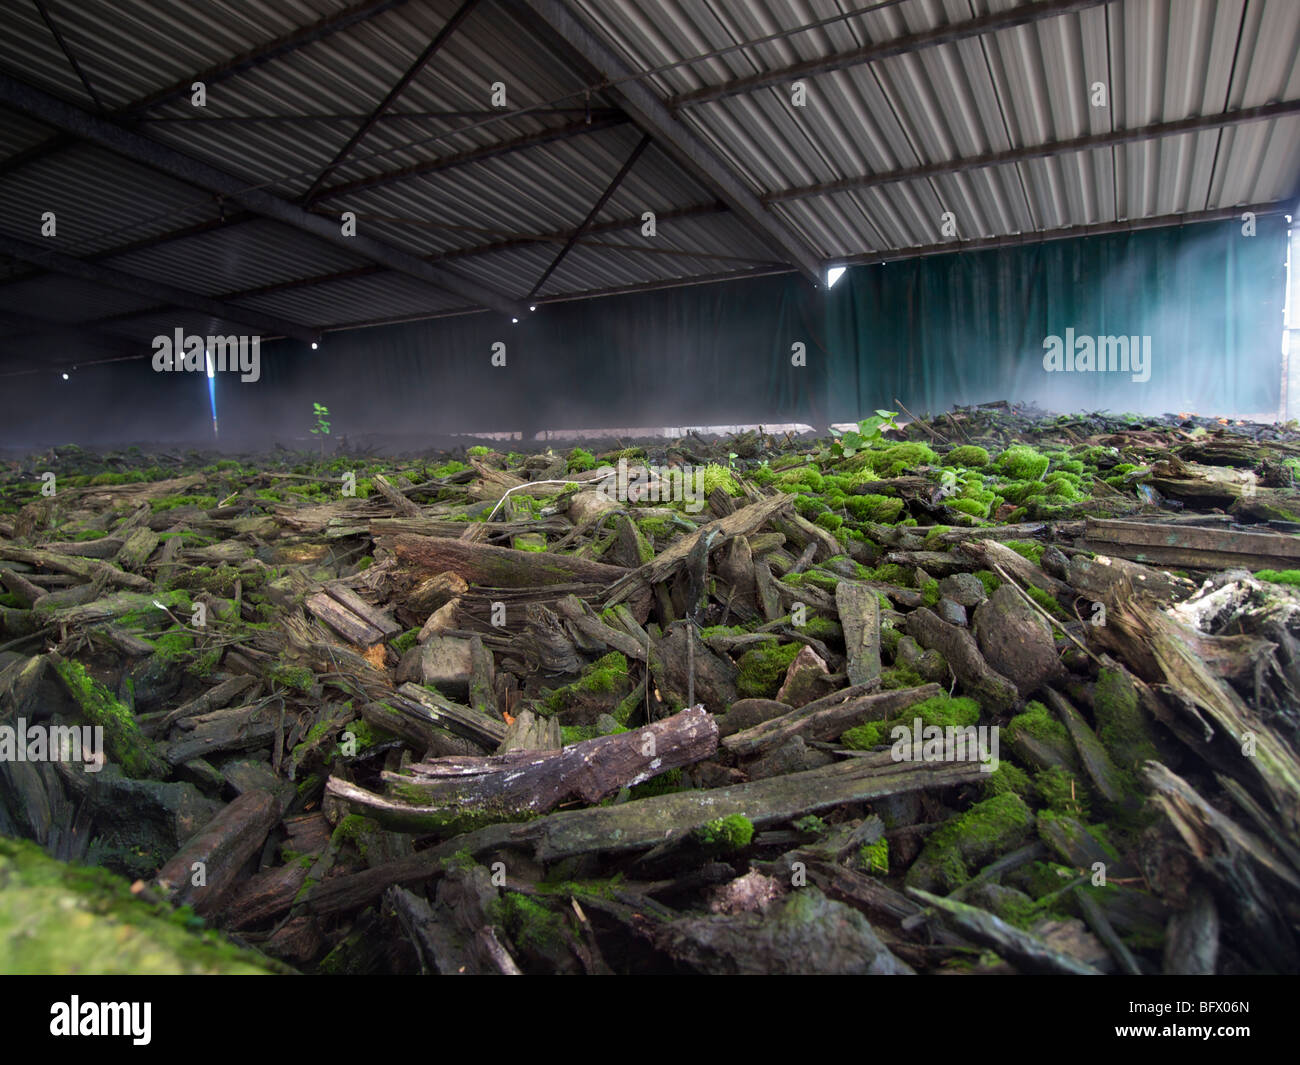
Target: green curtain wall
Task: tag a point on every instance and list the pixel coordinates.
(970, 328)
(931, 332)
(709, 354)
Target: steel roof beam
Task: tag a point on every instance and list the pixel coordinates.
(1042, 236)
(50, 259)
(604, 118)
(263, 53)
(1113, 138)
(388, 116)
(912, 42)
(71, 119)
(603, 199)
(67, 52)
(1196, 124)
(685, 146)
(421, 61)
(607, 120)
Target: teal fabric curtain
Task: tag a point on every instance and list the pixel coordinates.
(959, 328)
(709, 354)
(970, 328)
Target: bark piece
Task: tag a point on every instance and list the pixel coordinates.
(804, 932)
(214, 698)
(372, 615)
(531, 732)
(1234, 860)
(264, 895)
(1016, 640)
(446, 662)
(746, 713)
(859, 612)
(400, 503)
(241, 728)
(1028, 952)
(218, 852)
(994, 691)
(744, 521)
(443, 713)
(1189, 547)
(534, 782)
(1192, 937)
(1103, 772)
(826, 721)
(578, 614)
(350, 626)
(988, 554)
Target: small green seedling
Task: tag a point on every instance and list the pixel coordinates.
(322, 426)
(848, 444)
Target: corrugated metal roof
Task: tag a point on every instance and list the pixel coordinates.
(287, 88)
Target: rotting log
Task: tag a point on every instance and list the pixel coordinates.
(742, 522)
(962, 654)
(1190, 547)
(827, 721)
(83, 568)
(648, 822)
(496, 567)
(859, 612)
(645, 823)
(205, 870)
(531, 782)
(1027, 952)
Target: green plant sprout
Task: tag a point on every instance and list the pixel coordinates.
(848, 444)
(322, 426)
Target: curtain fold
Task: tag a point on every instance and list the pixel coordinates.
(971, 327)
(957, 328)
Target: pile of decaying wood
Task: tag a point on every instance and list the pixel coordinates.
(369, 765)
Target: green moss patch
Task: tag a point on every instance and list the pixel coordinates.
(955, 852)
(63, 919)
(762, 669)
(874, 857)
(968, 455)
(1022, 463)
(1280, 576)
(940, 710)
(125, 744)
(731, 833)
